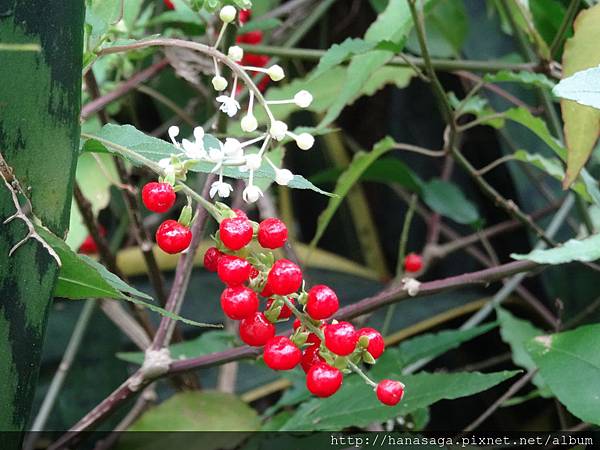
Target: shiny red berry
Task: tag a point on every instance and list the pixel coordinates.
(173, 237)
(285, 312)
(323, 380)
(272, 233)
(322, 302)
(281, 354)
(390, 392)
(240, 213)
(158, 197)
(254, 273)
(256, 330)
(235, 233)
(251, 37)
(239, 302)
(310, 357)
(297, 324)
(88, 246)
(284, 278)
(233, 270)
(211, 259)
(341, 338)
(376, 344)
(413, 262)
(244, 15)
(169, 4)
(313, 339)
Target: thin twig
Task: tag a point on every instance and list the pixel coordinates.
(420, 150)
(560, 35)
(495, 164)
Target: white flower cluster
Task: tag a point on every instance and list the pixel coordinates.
(232, 152)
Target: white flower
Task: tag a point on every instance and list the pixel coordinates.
(166, 165)
(249, 123)
(193, 150)
(221, 188)
(219, 83)
(229, 105)
(227, 13)
(283, 176)
(278, 130)
(215, 154)
(303, 99)
(305, 141)
(251, 194)
(276, 73)
(236, 53)
(253, 161)
(233, 148)
(173, 133)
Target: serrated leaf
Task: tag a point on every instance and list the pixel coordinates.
(569, 362)
(155, 149)
(516, 333)
(584, 250)
(538, 127)
(582, 87)
(347, 180)
(523, 77)
(206, 343)
(393, 24)
(361, 406)
(448, 200)
(581, 123)
(338, 53)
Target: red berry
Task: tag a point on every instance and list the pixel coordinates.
(173, 237)
(88, 246)
(256, 330)
(233, 270)
(285, 277)
(376, 344)
(285, 312)
(296, 324)
(251, 37)
(310, 357)
(323, 380)
(244, 15)
(281, 354)
(266, 292)
(211, 259)
(235, 233)
(390, 392)
(313, 339)
(158, 197)
(239, 302)
(413, 262)
(240, 213)
(341, 338)
(254, 273)
(169, 4)
(322, 302)
(272, 233)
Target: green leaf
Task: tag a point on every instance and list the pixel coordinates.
(360, 163)
(432, 345)
(338, 53)
(476, 105)
(142, 146)
(569, 362)
(448, 200)
(554, 168)
(384, 170)
(193, 411)
(99, 16)
(582, 87)
(529, 78)
(207, 343)
(81, 277)
(393, 25)
(361, 406)
(584, 250)
(581, 123)
(538, 127)
(516, 333)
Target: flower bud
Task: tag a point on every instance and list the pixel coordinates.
(276, 73)
(249, 123)
(305, 141)
(278, 130)
(253, 161)
(219, 83)
(236, 53)
(227, 13)
(283, 177)
(303, 99)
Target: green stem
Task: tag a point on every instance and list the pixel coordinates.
(401, 61)
(124, 151)
(361, 374)
(564, 27)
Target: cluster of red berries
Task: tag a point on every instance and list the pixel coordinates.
(324, 349)
(171, 236)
